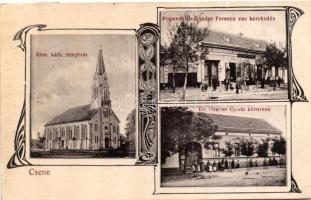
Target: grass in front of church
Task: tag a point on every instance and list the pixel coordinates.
(273, 176)
(82, 154)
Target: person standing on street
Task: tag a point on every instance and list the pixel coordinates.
(214, 83)
(232, 164)
(238, 85)
(227, 82)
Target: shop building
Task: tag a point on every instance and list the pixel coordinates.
(229, 55)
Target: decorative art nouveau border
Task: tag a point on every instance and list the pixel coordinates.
(147, 41)
(18, 159)
(295, 90)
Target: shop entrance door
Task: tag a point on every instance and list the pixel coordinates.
(211, 71)
(232, 72)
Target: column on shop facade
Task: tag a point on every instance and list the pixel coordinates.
(239, 71)
(221, 71)
(227, 70)
(200, 71)
(255, 73)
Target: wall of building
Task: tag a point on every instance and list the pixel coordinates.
(222, 56)
(74, 135)
(83, 135)
(216, 155)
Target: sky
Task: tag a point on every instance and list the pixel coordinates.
(61, 83)
(276, 116)
(270, 31)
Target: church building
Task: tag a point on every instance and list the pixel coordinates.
(94, 126)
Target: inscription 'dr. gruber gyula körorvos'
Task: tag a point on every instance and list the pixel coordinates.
(234, 109)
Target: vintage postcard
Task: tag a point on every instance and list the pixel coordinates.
(201, 100)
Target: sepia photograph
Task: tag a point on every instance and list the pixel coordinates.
(82, 96)
(222, 55)
(224, 146)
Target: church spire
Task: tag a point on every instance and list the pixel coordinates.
(100, 88)
(100, 68)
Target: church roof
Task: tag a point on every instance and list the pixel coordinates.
(80, 113)
(239, 124)
(100, 68)
(237, 41)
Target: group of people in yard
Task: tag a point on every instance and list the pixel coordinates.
(221, 165)
(226, 164)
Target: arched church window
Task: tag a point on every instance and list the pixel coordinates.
(105, 114)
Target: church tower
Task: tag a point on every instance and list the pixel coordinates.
(101, 101)
(100, 90)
